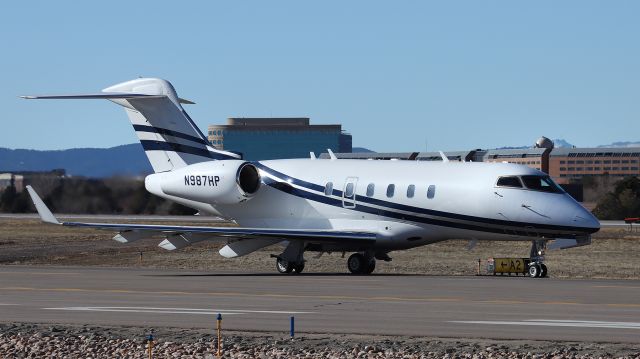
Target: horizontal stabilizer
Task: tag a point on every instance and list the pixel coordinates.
(43, 210)
(90, 96)
(185, 101)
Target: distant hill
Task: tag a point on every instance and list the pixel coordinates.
(126, 160)
(562, 143)
(623, 144)
(558, 143)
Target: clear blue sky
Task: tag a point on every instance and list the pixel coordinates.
(396, 74)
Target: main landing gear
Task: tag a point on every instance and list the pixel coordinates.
(537, 268)
(358, 263)
(291, 260)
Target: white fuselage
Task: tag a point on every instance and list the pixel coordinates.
(464, 203)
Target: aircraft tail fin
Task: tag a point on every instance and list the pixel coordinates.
(170, 138)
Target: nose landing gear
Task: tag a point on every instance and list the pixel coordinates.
(284, 266)
(537, 268)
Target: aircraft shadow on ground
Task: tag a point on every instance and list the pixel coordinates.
(293, 275)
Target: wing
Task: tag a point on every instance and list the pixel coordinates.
(177, 237)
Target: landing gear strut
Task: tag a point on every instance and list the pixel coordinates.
(358, 263)
(289, 267)
(537, 268)
(291, 260)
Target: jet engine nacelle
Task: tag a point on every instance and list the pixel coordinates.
(215, 182)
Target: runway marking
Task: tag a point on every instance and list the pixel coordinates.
(41, 273)
(321, 297)
(176, 310)
(557, 323)
(561, 303)
(500, 301)
(345, 280)
(617, 286)
(239, 294)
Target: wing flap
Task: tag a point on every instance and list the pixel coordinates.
(246, 246)
(233, 232)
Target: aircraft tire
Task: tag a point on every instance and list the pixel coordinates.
(543, 270)
(298, 267)
(283, 266)
(357, 263)
(371, 266)
(534, 271)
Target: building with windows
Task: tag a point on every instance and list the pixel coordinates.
(274, 138)
(11, 179)
(537, 158)
(566, 164)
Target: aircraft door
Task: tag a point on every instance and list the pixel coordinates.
(349, 192)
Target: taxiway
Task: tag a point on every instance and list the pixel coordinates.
(464, 307)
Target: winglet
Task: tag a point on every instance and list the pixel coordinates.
(43, 210)
(331, 154)
(312, 155)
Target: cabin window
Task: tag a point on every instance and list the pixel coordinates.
(370, 189)
(411, 190)
(390, 189)
(328, 189)
(431, 191)
(542, 184)
(509, 181)
(348, 191)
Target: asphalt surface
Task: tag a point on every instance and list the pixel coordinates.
(459, 307)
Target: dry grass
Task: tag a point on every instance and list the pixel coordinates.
(613, 254)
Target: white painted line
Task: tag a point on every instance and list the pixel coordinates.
(175, 310)
(557, 323)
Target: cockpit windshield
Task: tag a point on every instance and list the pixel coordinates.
(509, 181)
(541, 183)
(532, 182)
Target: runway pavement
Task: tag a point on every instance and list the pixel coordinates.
(465, 307)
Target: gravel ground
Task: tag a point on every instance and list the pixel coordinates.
(613, 254)
(39, 341)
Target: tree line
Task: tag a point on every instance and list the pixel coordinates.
(116, 195)
(124, 195)
(622, 202)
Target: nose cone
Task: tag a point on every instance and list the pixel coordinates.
(583, 218)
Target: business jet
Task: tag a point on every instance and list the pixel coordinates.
(368, 208)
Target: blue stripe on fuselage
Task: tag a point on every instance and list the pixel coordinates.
(523, 228)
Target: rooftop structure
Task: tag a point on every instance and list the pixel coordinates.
(273, 138)
(563, 164)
